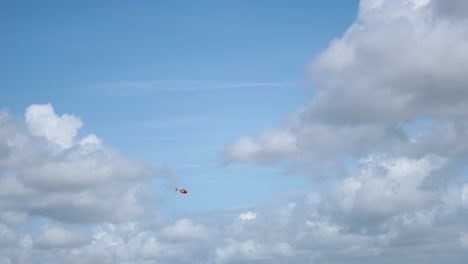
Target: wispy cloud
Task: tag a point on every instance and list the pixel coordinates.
(173, 122)
(136, 88)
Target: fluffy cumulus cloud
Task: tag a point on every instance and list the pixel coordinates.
(43, 122)
(399, 63)
(47, 171)
(391, 93)
(52, 178)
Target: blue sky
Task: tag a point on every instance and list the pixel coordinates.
(172, 81)
(304, 131)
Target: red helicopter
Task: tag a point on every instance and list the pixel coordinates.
(182, 191)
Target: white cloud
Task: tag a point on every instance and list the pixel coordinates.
(185, 229)
(133, 242)
(247, 216)
(47, 170)
(243, 249)
(400, 57)
(400, 62)
(59, 237)
(381, 188)
(464, 195)
(270, 147)
(42, 121)
(14, 217)
(464, 240)
(7, 236)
